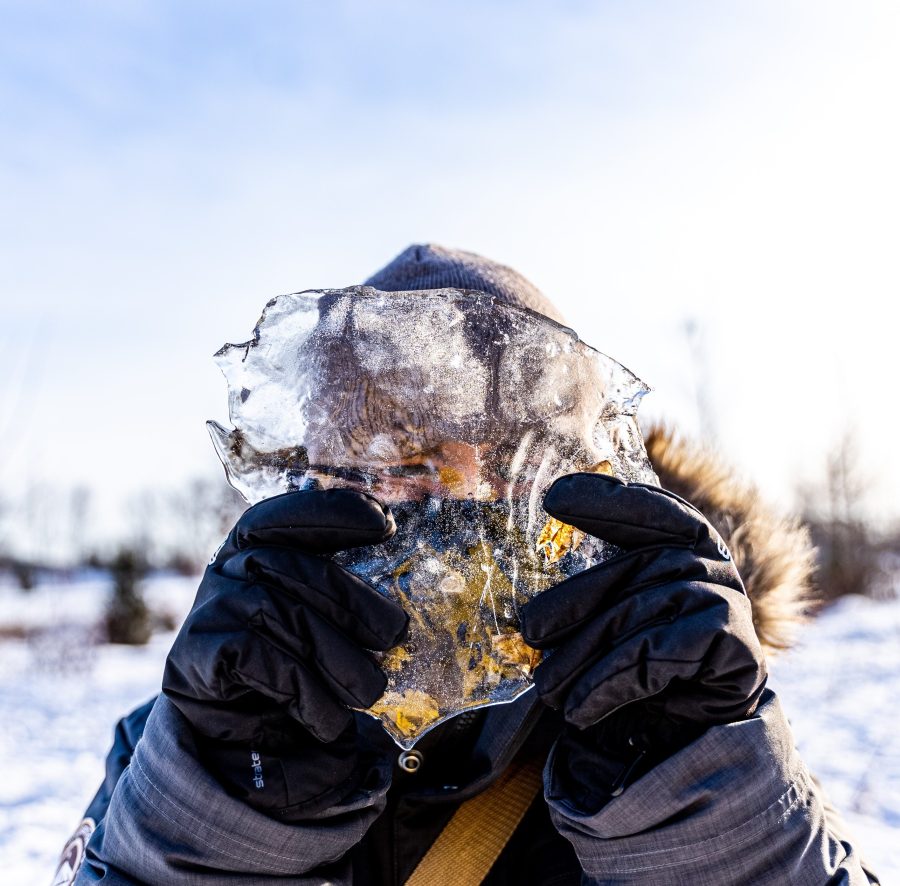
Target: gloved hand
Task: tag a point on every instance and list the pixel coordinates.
(649, 648)
(274, 651)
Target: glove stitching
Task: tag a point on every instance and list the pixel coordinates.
(687, 661)
(279, 696)
(321, 595)
(245, 537)
(320, 662)
(572, 627)
(586, 666)
(677, 539)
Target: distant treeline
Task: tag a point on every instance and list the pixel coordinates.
(177, 531)
(52, 535)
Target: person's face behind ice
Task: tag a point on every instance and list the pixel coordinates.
(450, 469)
(403, 451)
(400, 451)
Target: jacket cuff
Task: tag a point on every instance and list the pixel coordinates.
(735, 806)
(169, 817)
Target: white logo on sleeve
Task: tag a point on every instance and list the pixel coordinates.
(212, 559)
(256, 763)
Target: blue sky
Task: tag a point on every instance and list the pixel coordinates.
(168, 167)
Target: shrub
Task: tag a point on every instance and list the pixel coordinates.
(127, 617)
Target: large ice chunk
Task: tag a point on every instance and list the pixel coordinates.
(458, 411)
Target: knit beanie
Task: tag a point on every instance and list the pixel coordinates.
(426, 266)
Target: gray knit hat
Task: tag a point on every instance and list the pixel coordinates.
(426, 266)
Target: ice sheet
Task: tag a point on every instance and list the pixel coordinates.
(458, 411)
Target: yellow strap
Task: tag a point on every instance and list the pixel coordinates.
(467, 848)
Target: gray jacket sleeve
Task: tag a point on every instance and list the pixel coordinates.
(169, 821)
(737, 806)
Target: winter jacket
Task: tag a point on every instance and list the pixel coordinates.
(737, 806)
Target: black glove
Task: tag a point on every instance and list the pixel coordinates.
(649, 648)
(274, 651)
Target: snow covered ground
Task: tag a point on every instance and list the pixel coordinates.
(840, 687)
(60, 696)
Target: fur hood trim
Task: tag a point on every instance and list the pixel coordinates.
(773, 553)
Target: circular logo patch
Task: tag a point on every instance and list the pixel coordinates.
(73, 854)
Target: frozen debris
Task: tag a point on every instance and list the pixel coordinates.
(458, 411)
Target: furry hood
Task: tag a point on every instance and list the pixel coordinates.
(773, 554)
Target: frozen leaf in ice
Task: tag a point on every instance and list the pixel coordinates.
(410, 712)
(558, 538)
(457, 411)
(511, 649)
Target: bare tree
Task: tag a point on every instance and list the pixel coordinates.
(145, 521)
(79, 510)
(202, 513)
(695, 338)
(849, 549)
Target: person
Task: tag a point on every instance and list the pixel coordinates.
(665, 758)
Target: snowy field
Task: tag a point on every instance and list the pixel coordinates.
(840, 688)
(60, 696)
